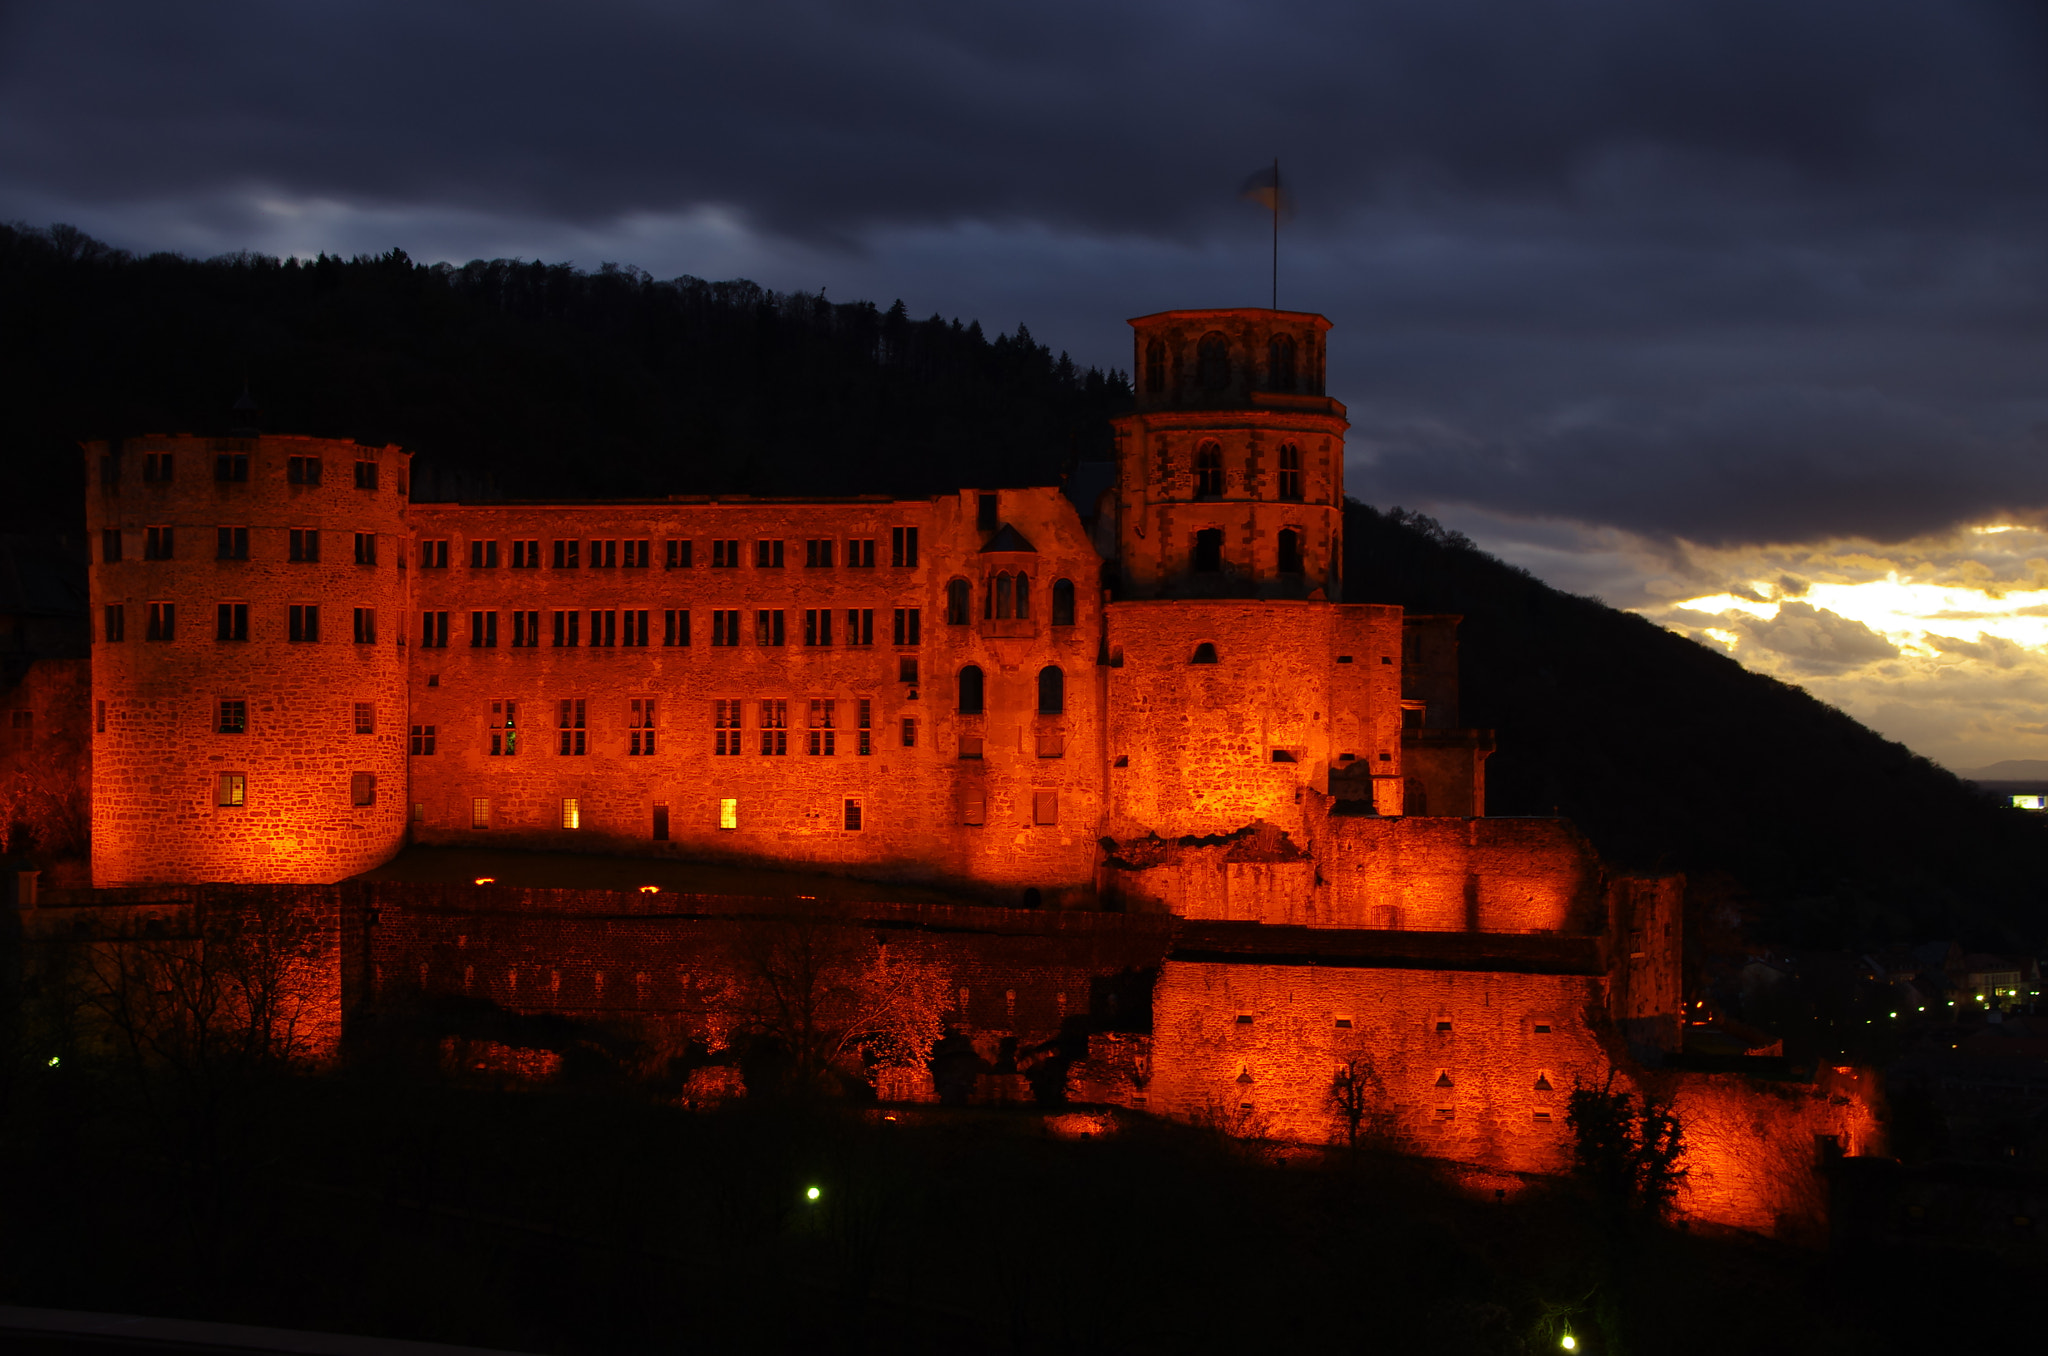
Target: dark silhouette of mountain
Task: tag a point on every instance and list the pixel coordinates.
(1673, 757)
(2010, 770)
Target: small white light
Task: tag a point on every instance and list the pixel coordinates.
(54, 1059)
(811, 1195)
(1571, 1343)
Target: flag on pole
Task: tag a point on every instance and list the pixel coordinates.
(1263, 188)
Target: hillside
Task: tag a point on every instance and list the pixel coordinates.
(1671, 756)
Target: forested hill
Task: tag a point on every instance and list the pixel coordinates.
(523, 379)
(1672, 756)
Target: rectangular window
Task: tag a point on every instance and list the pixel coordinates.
(231, 543)
(677, 555)
(480, 812)
(569, 725)
(525, 555)
(305, 622)
(114, 627)
(99, 717)
(768, 626)
(231, 621)
(110, 473)
(433, 630)
(974, 807)
(908, 628)
(910, 732)
(817, 626)
(302, 470)
(231, 790)
(906, 668)
(852, 815)
(675, 627)
(504, 728)
(231, 716)
(660, 823)
(728, 813)
(635, 627)
(818, 553)
(860, 626)
(157, 543)
(362, 788)
(636, 554)
(566, 627)
(860, 555)
(768, 554)
(864, 726)
(231, 468)
(483, 630)
(366, 548)
(163, 622)
(366, 717)
(110, 545)
(305, 544)
(422, 739)
(157, 468)
(725, 728)
(774, 727)
(1290, 471)
(824, 737)
(483, 555)
(903, 547)
(725, 626)
(604, 628)
(366, 475)
(725, 555)
(572, 813)
(604, 555)
(568, 554)
(433, 555)
(366, 626)
(640, 727)
(1045, 807)
(525, 629)
(970, 746)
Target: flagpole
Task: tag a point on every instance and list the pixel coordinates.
(1276, 232)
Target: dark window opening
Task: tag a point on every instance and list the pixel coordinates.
(1062, 602)
(1280, 363)
(1209, 550)
(956, 602)
(909, 624)
(1283, 756)
(1052, 691)
(1205, 653)
(1155, 367)
(1212, 358)
(1208, 471)
(1290, 551)
(970, 691)
(1290, 472)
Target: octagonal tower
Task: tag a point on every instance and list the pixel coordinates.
(249, 600)
(1231, 466)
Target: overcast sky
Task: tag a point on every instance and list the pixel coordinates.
(1650, 295)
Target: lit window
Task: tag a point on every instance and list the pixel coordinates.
(728, 813)
(504, 728)
(480, 812)
(572, 813)
(232, 789)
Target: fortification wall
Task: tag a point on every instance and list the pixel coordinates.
(1022, 814)
(270, 794)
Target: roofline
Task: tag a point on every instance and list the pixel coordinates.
(1321, 321)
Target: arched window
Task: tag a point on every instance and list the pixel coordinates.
(1155, 367)
(1208, 471)
(1290, 472)
(1007, 595)
(1023, 585)
(1280, 364)
(956, 602)
(970, 691)
(1290, 551)
(1052, 691)
(1062, 602)
(1209, 550)
(1205, 653)
(1212, 359)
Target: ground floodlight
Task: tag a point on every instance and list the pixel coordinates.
(1571, 1343)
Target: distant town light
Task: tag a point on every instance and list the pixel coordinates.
(650, 889)
(811, 1195)
(54, 1059)
(486, 880)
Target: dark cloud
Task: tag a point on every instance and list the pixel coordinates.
(1731, 270)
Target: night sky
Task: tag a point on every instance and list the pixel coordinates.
(1729, 311)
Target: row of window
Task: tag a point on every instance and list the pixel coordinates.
(853, 816)
(767, 553)
(1208, 554)
(160, 540)
(1209, 478)
(1213, 365)
(231, 789)
(231, 622)
(232, 468)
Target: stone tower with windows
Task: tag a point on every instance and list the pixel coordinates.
(1231, 467)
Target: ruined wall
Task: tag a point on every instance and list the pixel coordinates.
(1022, 814)
(46, 759)
(1456, 1059)
(159, 748)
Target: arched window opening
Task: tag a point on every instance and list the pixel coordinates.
(1062, 602)
(956, 602)
(1280, 364)
(1052, 691)
(1006, 595)
(1205, 653)
(1212, 358)
(1415, 801)
(1022, 583)
(970, 690)
(1208, 471)
(1155, 367)
(1209, 550)
(1290, 472)
(1290, 551)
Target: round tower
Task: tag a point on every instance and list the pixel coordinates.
(249, 601)
(1231, 466)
